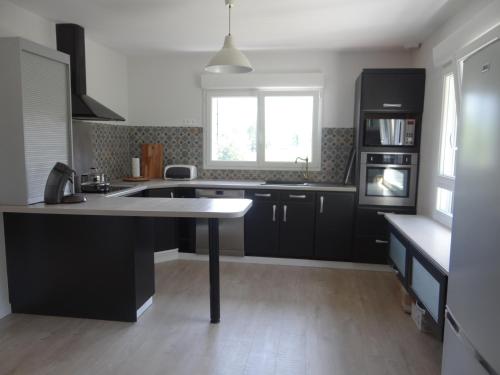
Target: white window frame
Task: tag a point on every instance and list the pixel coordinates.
(446, 182)
(261, 164)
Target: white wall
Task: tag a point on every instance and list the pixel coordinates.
(15, 21)
(107, 79)
(478, 17)
(165, 90)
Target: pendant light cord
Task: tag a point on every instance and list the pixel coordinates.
(230, 6)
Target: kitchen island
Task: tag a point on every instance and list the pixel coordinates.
(95, 259)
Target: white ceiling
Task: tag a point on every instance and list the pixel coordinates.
(153, 26)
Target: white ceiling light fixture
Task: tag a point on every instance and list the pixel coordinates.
(229, 59)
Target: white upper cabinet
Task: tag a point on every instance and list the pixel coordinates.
(35, 121)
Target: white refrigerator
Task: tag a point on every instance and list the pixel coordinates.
(472, 329)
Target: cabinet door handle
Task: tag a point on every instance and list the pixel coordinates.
(171, 194)
(321, 204)
(392, 105)
(381, 241)
(284, 213)
(262, 195)
(297, 196)
(274, 213)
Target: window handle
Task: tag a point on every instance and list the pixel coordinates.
(274, 213)
(321, 204)
(284, 213)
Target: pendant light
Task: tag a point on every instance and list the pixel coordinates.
(229, 59)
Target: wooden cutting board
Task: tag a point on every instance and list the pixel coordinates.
(152, 160)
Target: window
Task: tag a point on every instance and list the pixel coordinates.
(446, 170)
(262, 129)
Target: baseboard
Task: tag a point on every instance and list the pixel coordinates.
(292, 262)
(144, 307)
(166, 255)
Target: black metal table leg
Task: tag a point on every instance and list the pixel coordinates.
(213, 255)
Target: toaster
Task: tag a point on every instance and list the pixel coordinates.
(180, 172)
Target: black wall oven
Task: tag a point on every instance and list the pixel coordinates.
(388, 179)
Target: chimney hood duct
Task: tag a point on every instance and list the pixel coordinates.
(71, 40)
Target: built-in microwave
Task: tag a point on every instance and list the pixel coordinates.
(388, 179)
(389, 132)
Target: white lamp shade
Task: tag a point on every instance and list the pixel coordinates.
(229, 60)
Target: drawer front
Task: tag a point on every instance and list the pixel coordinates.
(397, 253)
(371, 221)
(262, 195)
(426, 288)
(371, 250)
(297, 196)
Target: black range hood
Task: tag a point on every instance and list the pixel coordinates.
(71, 40)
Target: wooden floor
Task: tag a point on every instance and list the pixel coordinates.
(275, 320)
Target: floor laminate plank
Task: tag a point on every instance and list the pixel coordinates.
(274, 320)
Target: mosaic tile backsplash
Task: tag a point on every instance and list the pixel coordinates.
(114, 145)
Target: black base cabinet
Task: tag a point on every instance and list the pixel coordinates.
(300, 224)
(334, 226)
(97, 267)
(371, 243)
(173, 233)
(262, 225)
(280, 224)
(297, 225)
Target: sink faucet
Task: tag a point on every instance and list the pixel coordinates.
(306, 172)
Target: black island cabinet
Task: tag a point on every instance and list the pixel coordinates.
(84, 266)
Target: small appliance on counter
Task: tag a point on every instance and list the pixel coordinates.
(94, 182)
(180, 172)
(56, 186)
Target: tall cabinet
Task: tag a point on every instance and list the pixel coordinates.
(395, 94)
(35, 121)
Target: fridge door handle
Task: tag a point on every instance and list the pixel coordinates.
(468, 345)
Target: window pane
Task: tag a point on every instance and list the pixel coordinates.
(288, 127)
(449, 135)
(234, 128)
(445, 201)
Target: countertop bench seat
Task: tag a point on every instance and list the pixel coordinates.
(432, 239)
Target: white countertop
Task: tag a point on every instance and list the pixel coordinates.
(432, 239)
(117, 204)
(229, 184)
(99, 204)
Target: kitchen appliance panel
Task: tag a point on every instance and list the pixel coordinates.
(389, 132)
(457, 360)
(231, 231)
(388, 179)
(475, 257)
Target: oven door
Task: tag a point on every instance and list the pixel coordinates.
(388, 185)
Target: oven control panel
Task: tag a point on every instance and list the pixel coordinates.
(389, 158)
